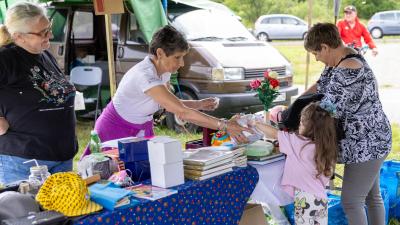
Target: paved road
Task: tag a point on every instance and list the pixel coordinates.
(386, 67)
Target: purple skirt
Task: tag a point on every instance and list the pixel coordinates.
(110, 125)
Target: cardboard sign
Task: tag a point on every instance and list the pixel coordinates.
(253, 214)
(102, 7)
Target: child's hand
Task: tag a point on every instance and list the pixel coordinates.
(3, 125)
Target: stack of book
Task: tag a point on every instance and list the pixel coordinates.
(239, 157)
(263, 160)
(205, 163)
(263, 152)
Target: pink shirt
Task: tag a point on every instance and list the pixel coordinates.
(300, 169)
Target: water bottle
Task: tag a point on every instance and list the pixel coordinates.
(95, 143)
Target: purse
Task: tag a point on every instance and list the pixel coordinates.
(290, 117)
(40, 218)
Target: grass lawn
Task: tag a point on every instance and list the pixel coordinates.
(296, 54)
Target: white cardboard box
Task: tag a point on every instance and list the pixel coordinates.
(164, 150)
(166, 175)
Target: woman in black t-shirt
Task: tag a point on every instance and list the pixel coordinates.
(37, 119)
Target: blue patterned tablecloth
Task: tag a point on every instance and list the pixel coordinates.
(219, 200)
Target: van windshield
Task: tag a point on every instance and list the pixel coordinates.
(211, 25)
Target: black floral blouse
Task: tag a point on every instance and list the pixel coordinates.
(367, 130)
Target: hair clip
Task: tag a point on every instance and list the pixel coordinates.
(329, 107)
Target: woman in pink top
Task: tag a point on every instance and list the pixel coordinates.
(310, 158)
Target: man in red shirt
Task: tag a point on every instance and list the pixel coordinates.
(351, 30)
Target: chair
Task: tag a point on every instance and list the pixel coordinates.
(85, 76)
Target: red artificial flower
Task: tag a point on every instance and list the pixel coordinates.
(273, 82)
(254, 84)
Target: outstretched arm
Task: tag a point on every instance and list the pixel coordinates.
(268, 130)
(208, 104)
(172, 104)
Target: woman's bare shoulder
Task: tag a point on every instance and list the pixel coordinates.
(351, 63)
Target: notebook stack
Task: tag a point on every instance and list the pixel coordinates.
(262, 153)
(263, 160)
(239, 154)
(239, 157)
(202, 164)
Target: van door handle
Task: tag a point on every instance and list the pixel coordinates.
(60, 50)
(121, 52)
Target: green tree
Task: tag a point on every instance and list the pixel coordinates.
(366, 8)
(250, 10)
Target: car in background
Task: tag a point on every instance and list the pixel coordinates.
(384, 23)
(279, 26)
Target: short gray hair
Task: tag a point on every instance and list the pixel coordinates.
(18, 19)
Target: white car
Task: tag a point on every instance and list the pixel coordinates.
(280, 26)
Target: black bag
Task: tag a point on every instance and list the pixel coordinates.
(291, 116)
(41, 218)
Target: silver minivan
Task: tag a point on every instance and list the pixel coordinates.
(384, 23)
(279, 26)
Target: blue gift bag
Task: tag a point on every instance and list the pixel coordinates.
(390, 178)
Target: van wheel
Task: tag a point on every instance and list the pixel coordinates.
(263, 36)
(174, 123)
(376, 33)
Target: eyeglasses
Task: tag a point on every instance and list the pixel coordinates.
(348, 12)
(44, 33)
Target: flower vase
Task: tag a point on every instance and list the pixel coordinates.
(266, 117)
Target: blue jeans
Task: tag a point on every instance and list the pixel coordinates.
(13, 169)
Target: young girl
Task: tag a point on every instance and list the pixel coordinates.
(311, 156)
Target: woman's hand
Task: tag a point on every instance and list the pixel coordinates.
(208, 104)
(3, 125)
(236, 131)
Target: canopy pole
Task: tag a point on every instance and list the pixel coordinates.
(310, 3)
(110, 54)
(336, 9)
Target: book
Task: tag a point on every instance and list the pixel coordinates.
(265, 162)
(212, 170)
(150, 192)
(240, 162)
(263, 158)
(213, 165)
(235, 151)
(194, 177)
(206, 157)
(109, 195)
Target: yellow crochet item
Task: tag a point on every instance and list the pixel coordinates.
(66, 193)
